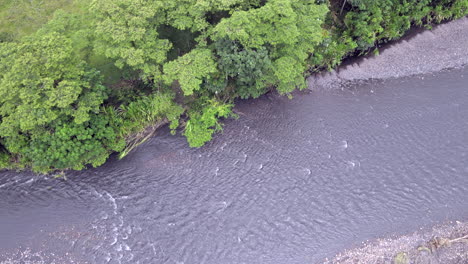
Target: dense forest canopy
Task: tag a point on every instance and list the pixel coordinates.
(80, 80)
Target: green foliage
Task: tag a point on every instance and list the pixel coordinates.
(332, 50)
(183, 41)
(383, 19)
(41, 80)
(289, 29)
(449, 9)
(198, 16)
(245, 67)
(65, 144)
(126, 31)
(134, 119)
(82, 79)
(204, 122)
(5, 160)
(77, 28)
(49, 100)
(148, 110)
(366, 23)
(190, 69)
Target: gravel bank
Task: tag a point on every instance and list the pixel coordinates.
(444, 47)
(447, 244)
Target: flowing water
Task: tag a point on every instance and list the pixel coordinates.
(290, 181)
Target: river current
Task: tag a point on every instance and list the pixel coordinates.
(290, 181)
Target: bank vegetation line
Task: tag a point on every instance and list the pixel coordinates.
(88, 78)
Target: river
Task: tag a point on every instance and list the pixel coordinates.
(290, 181)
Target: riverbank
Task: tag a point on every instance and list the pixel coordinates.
(427, 51)
(444, 244)
(100, 82)
(292, 181)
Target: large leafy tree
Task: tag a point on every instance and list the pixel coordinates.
(245, 68)
(127, 31)
(289, 29)
(202, 14)
(130, 32)
(19, 18)
(42, 80)
(190, 69)
(50, 99)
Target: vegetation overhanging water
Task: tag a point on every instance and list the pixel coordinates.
(80, 80)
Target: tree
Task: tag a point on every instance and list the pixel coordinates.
(127, 31)
(190, 70)
(67, 145)
(48, 95)
(245, 67)
(289, 29)
(41, 80)
(200, 15)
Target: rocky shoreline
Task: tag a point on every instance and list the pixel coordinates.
(445, 244)
(430, 51)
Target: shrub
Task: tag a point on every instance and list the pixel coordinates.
(68, 145)
(204, 121)
(133, 120)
